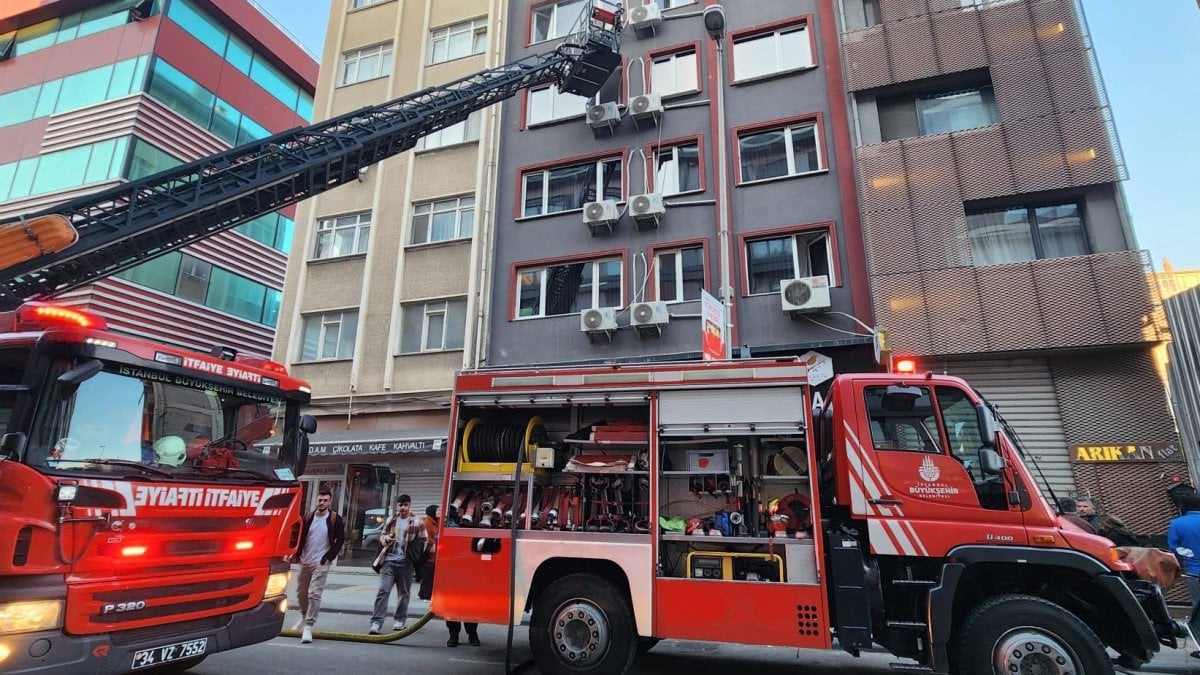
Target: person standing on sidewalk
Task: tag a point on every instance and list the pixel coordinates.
(321, 538)
(398, 532)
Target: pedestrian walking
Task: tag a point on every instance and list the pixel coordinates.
(455, 627)
(321, 538)
(1068, 510)
(395, 567)
(1183, 538)
(425, 570)
(1115, 529)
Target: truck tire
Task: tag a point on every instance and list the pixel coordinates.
(583, 624)
(1023, 633)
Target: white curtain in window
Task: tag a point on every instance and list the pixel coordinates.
(999, 237)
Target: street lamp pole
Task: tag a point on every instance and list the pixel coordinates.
(714, 23)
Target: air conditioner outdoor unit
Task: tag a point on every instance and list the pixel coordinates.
(806, 294)
(596, 321)
(604, 214)
(647, 209)
(646, 109)
(603, 116)
(648, 316)
(645, 18)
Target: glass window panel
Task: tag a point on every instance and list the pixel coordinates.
(534, 194)
(411, 323)
(420, 227)
(570, 187)
(348, 333)
(693, 272)
(763, 155)
(459, 45)
(439, 50)
(7, 171)
(19, 106)
(1061, 231)
(226, 121)
(84, 89)
(668, 279)
(236, 295)
(956, 110)
(565, 16)
(434, 332)
(444, 225)
(270, 78)
(197, 22)
(466, 217)
(529, 293)
(100, 163)
(999, 237)
(178, 92)
(122, 78)
(304, 107)
(754, 57)
(270, 315)
(456, 323)
(61, 170)
(23, 179)
(581, 278)
(37, 36)
(100, 18)
(769, 262)
(251, 131)
(47, 99)
(612, 188)
(541, 24)
(609, 280)
(239, 54)
(804, 149)
(159, 273)
(149, 160)
(794, 49)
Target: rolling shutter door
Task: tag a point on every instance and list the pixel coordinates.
(1023, 390)
(424, 488)
(732, 410)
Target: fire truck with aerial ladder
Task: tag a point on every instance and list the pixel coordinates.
(149, 493)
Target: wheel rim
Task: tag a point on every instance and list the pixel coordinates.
(579, 633)
(1031, 651)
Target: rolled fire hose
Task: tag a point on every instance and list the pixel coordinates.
(360, 637)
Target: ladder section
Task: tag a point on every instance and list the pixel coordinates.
(128, 224)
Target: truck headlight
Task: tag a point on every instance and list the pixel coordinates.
(277, 584)
(26, 616)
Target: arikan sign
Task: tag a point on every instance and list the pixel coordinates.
(1141, 452)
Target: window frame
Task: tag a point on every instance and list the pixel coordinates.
(677, 3)
(673, 52)
(827, 227)
(324, 323)
(655, 250)
(652, 150)
(517, 269)
(815, 119)
(458, 211)
(774, 28)
(935, 437)
(359, 240)
(471, 130)
(355, 5)
(385, 64)
(1035, 230)
(993, 108)
(531, 19)
(597, 158)
(428, 308)
(474, 27)
(526, 101)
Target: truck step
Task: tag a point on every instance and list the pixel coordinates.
(914, 582)
(907, 625)
(911, 667)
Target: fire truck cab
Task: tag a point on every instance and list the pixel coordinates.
(622, 504)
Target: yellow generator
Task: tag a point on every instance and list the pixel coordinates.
(735, 566)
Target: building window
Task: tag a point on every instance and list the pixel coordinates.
(568, 288)
(677, 169)
(771, 260)
(785, 151)
(679, 273)
(1027, 233)
(329, 336)
(555, 20)
(670, 4)
(190, 278)
(778, 51)
(193, 279)
(443, 220)
(433, 326)
(568, 188)
(366, 64)
(454, 42)
(465, 131)
(357, 4)
(548, 104)
(677, 73)
(346, 235)
(952, 111)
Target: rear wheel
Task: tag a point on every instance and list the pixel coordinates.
(583, 624)
(1027, 635)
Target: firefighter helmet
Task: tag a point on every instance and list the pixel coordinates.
(170, 450)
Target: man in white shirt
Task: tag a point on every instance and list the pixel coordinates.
(321, 538)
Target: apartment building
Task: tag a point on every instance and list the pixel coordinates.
(998, 243)
(381, 301)
(703, 164)
(95, 93)
(1180, 359)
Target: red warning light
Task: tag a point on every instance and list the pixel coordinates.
(904, 365)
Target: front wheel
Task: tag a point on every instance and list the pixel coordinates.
(1026, 634)
(583, 624)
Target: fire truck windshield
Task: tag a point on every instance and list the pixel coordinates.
(131, 421)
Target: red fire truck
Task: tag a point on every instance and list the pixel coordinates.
(622, 504)
(140, 523)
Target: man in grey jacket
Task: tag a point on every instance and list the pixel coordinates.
(396, 570)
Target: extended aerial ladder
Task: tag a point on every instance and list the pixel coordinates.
(128, 224)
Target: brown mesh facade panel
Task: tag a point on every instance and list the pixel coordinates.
(912, 38)
(1010, 318)
(1008, 30)
(941, 236)
(1132, 308)
(900, 305)
(866, 56)
(1068, 306)
(955, 318)
(891, 242)
(1022, 89)
(1035, 145)
(983, 164)
(935, 181)
(1090, 157)
(959, 40)
(1116, 399)
(883, 177)
(1132, 491)
(1069, 77)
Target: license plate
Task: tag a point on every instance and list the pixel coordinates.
(156, 656)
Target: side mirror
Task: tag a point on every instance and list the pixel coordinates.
(69, 381)
(990, 462)
(989, 426)
(12, 446)
(308, 424)
(302, 456)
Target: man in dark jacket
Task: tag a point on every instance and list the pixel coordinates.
(321, 538)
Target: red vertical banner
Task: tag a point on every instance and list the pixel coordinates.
(712, 341)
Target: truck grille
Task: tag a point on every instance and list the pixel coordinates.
(141, 603)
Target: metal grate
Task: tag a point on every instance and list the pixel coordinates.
(1122, 402)
(1132, 491)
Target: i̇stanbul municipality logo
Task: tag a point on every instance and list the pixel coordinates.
(929, 471)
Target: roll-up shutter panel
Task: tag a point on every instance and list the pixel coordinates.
(424, 488)
(1023, 389)
(732, 410)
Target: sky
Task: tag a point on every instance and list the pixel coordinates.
(1149, 54)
